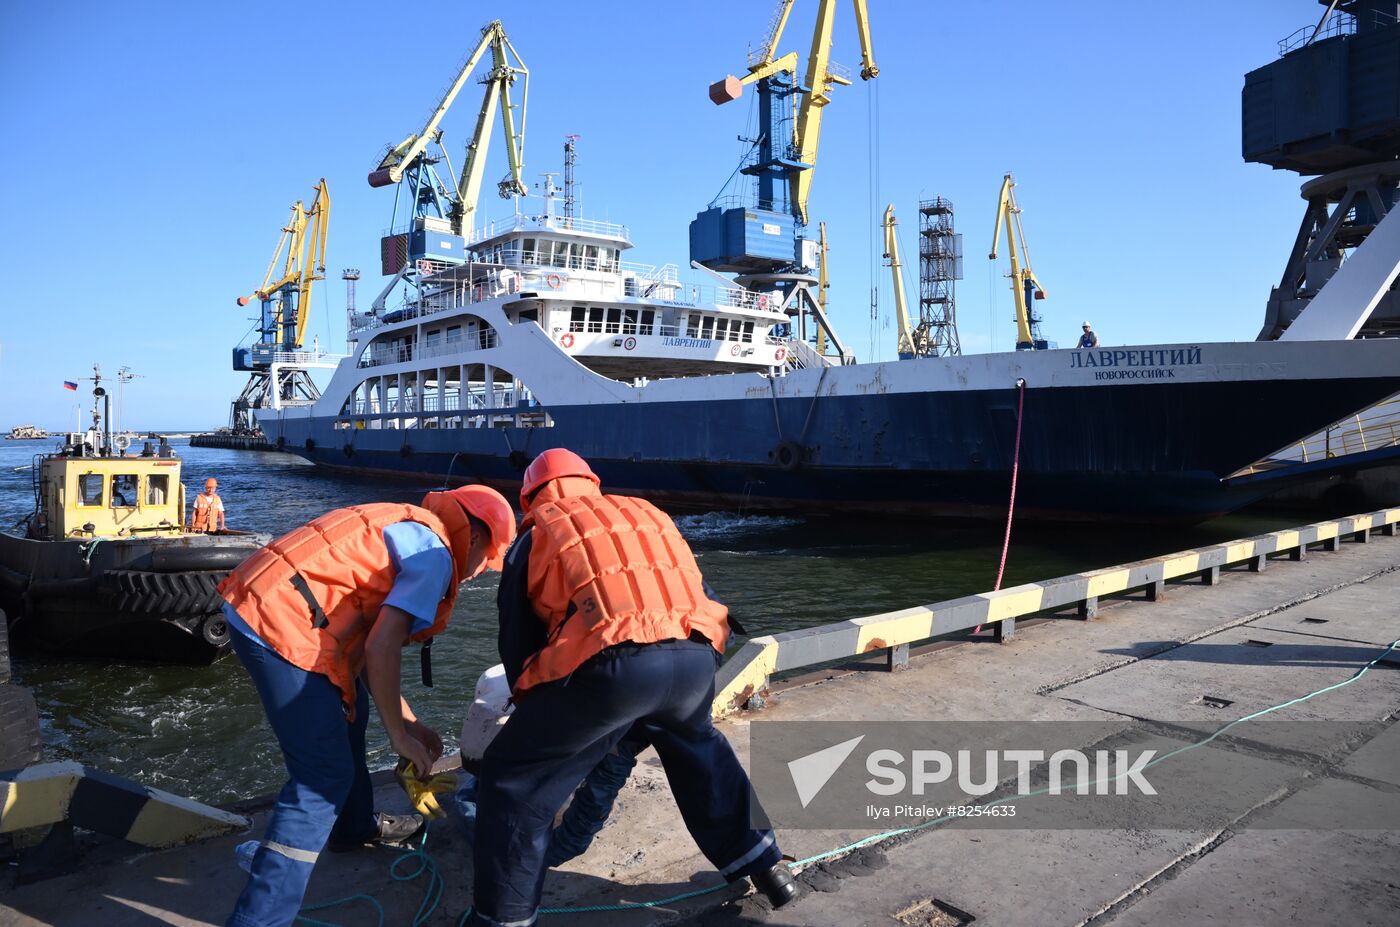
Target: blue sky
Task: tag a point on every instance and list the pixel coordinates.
(154, 149)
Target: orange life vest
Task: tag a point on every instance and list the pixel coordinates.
(608, 570)
(341, 563)
(204, 511)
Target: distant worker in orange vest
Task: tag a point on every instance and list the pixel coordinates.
(208, 514)
(606, 628)
(317, 617)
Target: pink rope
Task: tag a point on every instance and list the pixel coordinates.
(1011, 505)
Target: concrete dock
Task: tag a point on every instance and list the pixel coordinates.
(1148, 669)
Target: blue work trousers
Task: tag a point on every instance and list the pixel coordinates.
(559, 733)
(328, 791)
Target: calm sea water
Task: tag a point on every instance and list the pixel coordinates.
(201, 731)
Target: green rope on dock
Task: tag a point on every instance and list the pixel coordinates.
(431, 898)
(435, 882)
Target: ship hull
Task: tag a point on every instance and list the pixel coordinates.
(1155, 448)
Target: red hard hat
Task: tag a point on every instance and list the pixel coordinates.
(482, 503)
(553, 464)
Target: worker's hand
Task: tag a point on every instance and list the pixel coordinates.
(410, 748)
(428, 737)
(423, 793)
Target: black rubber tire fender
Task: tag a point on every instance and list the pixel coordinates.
(163, 594)
(182, 559)
(788, 455)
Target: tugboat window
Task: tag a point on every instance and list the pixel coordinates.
(90, 489)
(124, 492)
(158, 487)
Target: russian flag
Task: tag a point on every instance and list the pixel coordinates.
(69, 384)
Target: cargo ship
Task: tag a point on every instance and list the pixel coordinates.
(702, 395)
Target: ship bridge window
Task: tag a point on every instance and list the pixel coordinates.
(595, 319)
(648, 320)
(692, 325)
(748, 331)
(607, 259)
(614, 321)
(433, 338)
(532, 254)
(707, 326)
(124, 491)
(454, 334)
(629, 321)
(577, 317)
(559, 253)
(90, 489)
(157, 489)
(721, 329)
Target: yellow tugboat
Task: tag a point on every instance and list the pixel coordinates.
(105, 565)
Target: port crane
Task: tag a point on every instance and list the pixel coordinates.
(443, 214)
(913, 342)
(763, 238)
(276, 362)
(1025, 288)
(777, 79)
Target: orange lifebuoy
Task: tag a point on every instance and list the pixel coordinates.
(567, 340)
(734, 349)
(554, 281)
(779, 354)
(762, 300)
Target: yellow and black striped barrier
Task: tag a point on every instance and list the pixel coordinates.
(748, 671)
(51, 793)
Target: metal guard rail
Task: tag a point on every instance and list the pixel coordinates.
(747, 673)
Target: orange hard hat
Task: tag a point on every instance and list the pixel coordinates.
(553, 464)
(482, 503)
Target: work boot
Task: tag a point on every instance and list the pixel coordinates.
(390, 830)
(776, 884)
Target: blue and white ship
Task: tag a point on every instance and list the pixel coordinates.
(703, 395)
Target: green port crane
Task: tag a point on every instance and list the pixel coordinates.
(1025, 288)
(410, 160)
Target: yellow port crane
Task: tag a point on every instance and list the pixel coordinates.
(287, 299)
(409, 159)
(913, 342)
(275, 361)
(1025, 288)
(821, 76)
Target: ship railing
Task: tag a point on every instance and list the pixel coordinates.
(665, 273)
(1370, 429)
(306, 357)
(1337, 24)
(502, 400)
(479, 340)
(522, 222)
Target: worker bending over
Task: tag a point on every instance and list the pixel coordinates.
(208, 514)
(606, 633)
(316, 616)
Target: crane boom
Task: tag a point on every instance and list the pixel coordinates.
(820, 78)
(905, 347)
(411, 155)
(287, 327)
(1025, 288)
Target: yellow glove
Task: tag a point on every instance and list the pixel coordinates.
(422, 793)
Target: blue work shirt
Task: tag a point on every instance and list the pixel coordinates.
(424, 570)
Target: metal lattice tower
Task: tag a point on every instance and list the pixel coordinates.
(940, 265)
(570, 160)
